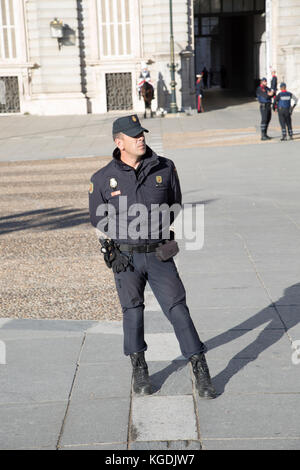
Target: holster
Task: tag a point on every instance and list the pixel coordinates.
(167, 250)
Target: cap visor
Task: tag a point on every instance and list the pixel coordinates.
(135, 131)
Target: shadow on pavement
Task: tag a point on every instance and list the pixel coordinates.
(158, 379)
(217, 98)
(266, 338)
(46, 219)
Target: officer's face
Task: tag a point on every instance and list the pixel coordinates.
(133, 146)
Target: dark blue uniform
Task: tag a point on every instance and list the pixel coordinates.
(265, 108)
(155, 181)
(283, 103)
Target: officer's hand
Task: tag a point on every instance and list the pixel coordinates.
(120, 262)
(113, 257)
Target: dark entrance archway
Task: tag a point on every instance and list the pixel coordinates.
(229, 42)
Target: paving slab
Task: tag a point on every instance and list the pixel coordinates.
(262, 375)
(105, 446)
(226, 297)
(162, 347)
(102, 379)
(170, 378)
(235, 318)
(39, 352)
(99, 347)
(166, 445)
(249, 416)
(158, 418)
(31, 426)
(243, 344)
(251, 444)
(96, 421)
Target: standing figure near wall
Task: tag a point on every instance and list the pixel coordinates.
(264, 96)
(283, 104)
(199, 94)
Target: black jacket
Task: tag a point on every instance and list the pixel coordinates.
(155, 181)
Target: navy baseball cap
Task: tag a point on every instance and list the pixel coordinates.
(263, 79)
(282, 85)
(129, 125)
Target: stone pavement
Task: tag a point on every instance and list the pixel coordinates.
(67, 385)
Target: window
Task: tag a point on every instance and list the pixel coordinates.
(209, 25)
(205, 7)
(115, 27)
(7, 30)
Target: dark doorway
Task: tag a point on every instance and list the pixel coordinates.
(229, 42)
(237, 67)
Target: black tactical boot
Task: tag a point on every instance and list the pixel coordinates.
(141, 382)
(203, 380)
(291, 137)
(283, 138)
(263, 136)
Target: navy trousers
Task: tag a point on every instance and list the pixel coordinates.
(169, 291)
(266, 114)
(285, 120)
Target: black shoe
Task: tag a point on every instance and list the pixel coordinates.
(283, 138)
(141, 382)
(290, 137)
(203, 380)
(268, 137)
(264, 137)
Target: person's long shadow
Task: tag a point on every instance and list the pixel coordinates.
(278, 323)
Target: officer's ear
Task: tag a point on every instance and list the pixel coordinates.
(119, 141)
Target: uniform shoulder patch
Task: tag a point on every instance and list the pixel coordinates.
(91, 188)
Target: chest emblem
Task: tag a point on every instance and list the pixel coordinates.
(113, 183)
(158, 179)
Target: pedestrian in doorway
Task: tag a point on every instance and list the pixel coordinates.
(283, 104)
(199, 93)
(204, 77)
(264, 96)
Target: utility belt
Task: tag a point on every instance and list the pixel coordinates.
(147, 248)
(266, 104)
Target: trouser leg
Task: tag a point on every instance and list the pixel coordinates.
(289, 122)
(268, 116)
(167, 287)
(130, 287)
(263, 124)
(265, 111)
(282, 121)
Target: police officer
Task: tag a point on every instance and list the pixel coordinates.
(283, 105)
(136, 172)
(264, 96)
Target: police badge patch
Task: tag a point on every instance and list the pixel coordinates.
(91, 188)
(113, 183)
(158, 179)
